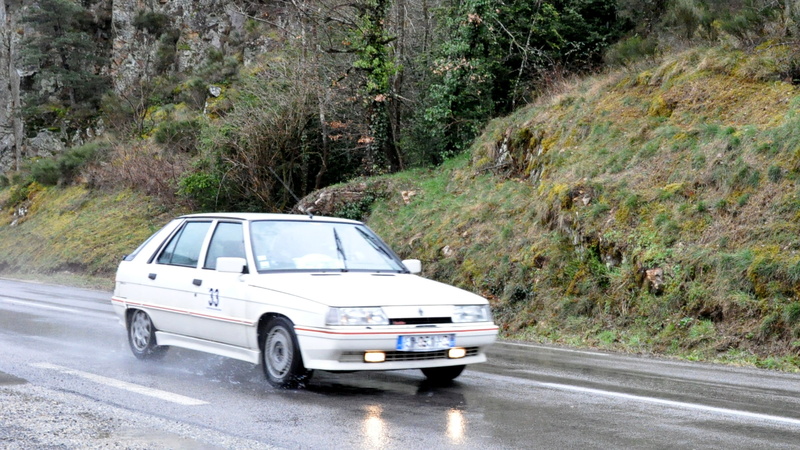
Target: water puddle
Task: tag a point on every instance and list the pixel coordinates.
(7, 379)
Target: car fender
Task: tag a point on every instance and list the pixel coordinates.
(266, 303)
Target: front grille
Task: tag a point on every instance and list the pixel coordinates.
(421, 321)
(404, 356)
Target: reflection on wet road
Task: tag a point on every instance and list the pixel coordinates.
(527, 396)
(374, 428)
(456, 427)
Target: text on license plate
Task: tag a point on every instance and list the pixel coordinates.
(425, 343)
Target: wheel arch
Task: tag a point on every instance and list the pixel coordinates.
(148, 348)
(130, 311)
(295, 370)
(261, 326)
(129, 315)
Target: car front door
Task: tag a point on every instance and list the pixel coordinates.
(220, 297)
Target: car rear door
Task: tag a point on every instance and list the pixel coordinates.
(172, 279)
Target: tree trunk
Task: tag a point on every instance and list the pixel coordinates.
(10, 114)
(397, 83)
(323, 125)
(790, 9)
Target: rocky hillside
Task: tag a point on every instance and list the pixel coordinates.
(134, 41)
(651, 208)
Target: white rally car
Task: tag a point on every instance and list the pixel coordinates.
(294, 294)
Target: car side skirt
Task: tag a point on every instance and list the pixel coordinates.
(202, 345)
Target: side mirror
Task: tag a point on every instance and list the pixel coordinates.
(231, 265)
(413, 265)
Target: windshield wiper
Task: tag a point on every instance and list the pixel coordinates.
(339, 249)
(377, 246)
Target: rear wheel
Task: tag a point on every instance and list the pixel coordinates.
(142, 337)
(280, 358)
(440, 375)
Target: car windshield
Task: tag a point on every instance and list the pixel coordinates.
(320, 246)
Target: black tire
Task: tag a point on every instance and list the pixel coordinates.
(280, 356)
(442, 375)
(142, 337)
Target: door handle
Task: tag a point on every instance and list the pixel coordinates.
(197, 282)
(152, 276)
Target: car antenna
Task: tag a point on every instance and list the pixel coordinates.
(302, 210)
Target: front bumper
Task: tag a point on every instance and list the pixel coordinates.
(343, 348)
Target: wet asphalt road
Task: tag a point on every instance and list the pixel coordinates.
(65, 366)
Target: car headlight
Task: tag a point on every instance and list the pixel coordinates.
(472, 313)
(356, 316)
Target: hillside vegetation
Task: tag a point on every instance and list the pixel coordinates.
(618, 174)
(687, 168)
(55, 234)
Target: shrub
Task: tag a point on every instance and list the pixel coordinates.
(791, 313)
(631, 50)
(20, 193)
(202, 189)
(749, 23)
(358, 209)
(153, 22)
(145, 169)
(746, 176)
(73, 160)
(178, 135)
(45, 171)
(167, 49)
(63, 169)
(775, 174)
(688, 15)
(769, 325)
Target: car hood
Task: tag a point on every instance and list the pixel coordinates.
(365, 289)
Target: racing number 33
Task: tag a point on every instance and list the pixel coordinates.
(214, 300)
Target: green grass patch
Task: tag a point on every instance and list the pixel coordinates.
(75, 230)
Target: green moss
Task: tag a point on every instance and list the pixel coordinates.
(76, 230)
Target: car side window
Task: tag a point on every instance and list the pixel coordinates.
(184, 248)
(227, 241)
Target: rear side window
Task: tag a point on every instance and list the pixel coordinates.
(184, 248)
(228, 241)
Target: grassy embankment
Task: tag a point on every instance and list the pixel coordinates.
(73, 235)
(689, 166)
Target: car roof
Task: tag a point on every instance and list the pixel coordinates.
(267, 216)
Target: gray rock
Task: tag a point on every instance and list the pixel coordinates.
(45, 143)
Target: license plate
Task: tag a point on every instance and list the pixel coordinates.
(425, 343)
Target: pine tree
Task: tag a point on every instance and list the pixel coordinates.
(66, 59)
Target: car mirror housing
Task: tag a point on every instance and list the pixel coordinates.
(231, 265)
(413, 265)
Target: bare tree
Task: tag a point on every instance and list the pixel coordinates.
(9, 114)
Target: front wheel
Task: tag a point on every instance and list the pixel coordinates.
(142, 337)
(441, 375)
(280, 356)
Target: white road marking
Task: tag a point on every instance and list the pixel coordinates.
(686, 405)
(78, 311)
(130, 387)
(14, 301)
